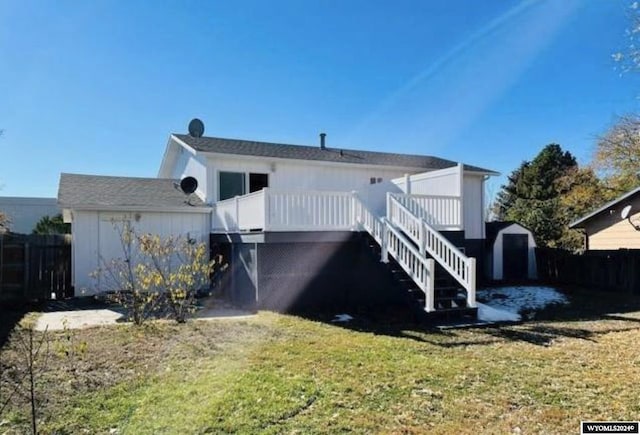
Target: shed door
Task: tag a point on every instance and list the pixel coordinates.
(515, 256)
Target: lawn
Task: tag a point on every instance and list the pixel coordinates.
(284, 374)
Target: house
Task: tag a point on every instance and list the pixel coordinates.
(300, 226)
(25, 212)
(510, 252)
(605, 228)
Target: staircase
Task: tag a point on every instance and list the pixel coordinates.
(438, 278)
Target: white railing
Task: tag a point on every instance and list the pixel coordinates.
(240, 213)
(278, 210)
(305, 210)
(368, 221)
(429, 240)
(441, 212)
(275, 210)
(251, 210)
(393, 242)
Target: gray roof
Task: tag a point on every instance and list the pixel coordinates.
(493, 228)
(95, 191)
(305, 152)
(579, 223)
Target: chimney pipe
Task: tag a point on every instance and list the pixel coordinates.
(322, 139)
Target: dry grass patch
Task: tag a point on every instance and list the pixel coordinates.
(283, 374)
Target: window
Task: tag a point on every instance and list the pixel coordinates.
(231, 184)
(235, 184)
(258, 182)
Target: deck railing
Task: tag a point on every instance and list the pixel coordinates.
(429, 240)
(279, 210)
(282, 210)
(306, 210)
(441, 212)
(394, 243)
(406, 236)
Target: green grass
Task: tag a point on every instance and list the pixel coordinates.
(283, 374)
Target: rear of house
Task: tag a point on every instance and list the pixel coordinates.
(300, 226)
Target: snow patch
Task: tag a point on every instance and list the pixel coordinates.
(490, 314)
(504, 302)
(342, 318)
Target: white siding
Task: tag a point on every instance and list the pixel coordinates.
(84, 250)
(293, 175)
(445, 182)
(24, 213)
(498, 270)
(95, 237)
(473, 206)
(608, 230)
(189, 165)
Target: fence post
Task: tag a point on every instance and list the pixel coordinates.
(429, 301)
(1, 261)
(26, 270)
(471, 291)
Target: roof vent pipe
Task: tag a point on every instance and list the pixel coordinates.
(322, 141)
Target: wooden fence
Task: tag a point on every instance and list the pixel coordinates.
(35, 267)
(606, 270)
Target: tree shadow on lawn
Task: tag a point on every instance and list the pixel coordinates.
(542, 327)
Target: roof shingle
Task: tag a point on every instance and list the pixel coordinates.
(305, 152)
(89, 191)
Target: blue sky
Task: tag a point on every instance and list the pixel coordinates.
(96, 87)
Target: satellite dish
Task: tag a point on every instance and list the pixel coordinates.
(625, 212)
(196, 128)
(188, 185)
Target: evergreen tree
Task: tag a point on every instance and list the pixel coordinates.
(532, 195)
(52, 225)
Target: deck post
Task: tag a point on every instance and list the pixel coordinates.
(237, 219)
(389, 216)
(354, 215)
(407, 183)
(471, 291)
(461, 194)
(384, 253)
(423, 239)
(266, 211)
(429, 300)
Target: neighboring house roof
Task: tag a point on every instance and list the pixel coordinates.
(103, 192)
(305, 152)
(580, 222)
(492, 229)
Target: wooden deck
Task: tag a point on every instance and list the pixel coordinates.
(408, 231)
(277, 210)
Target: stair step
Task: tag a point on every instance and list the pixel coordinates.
(454, 313)
(447, 288)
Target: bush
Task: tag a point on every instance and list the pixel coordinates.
(155, 275)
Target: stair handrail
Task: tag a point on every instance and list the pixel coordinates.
(365, 218)
(419, 268)
(430, 240)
